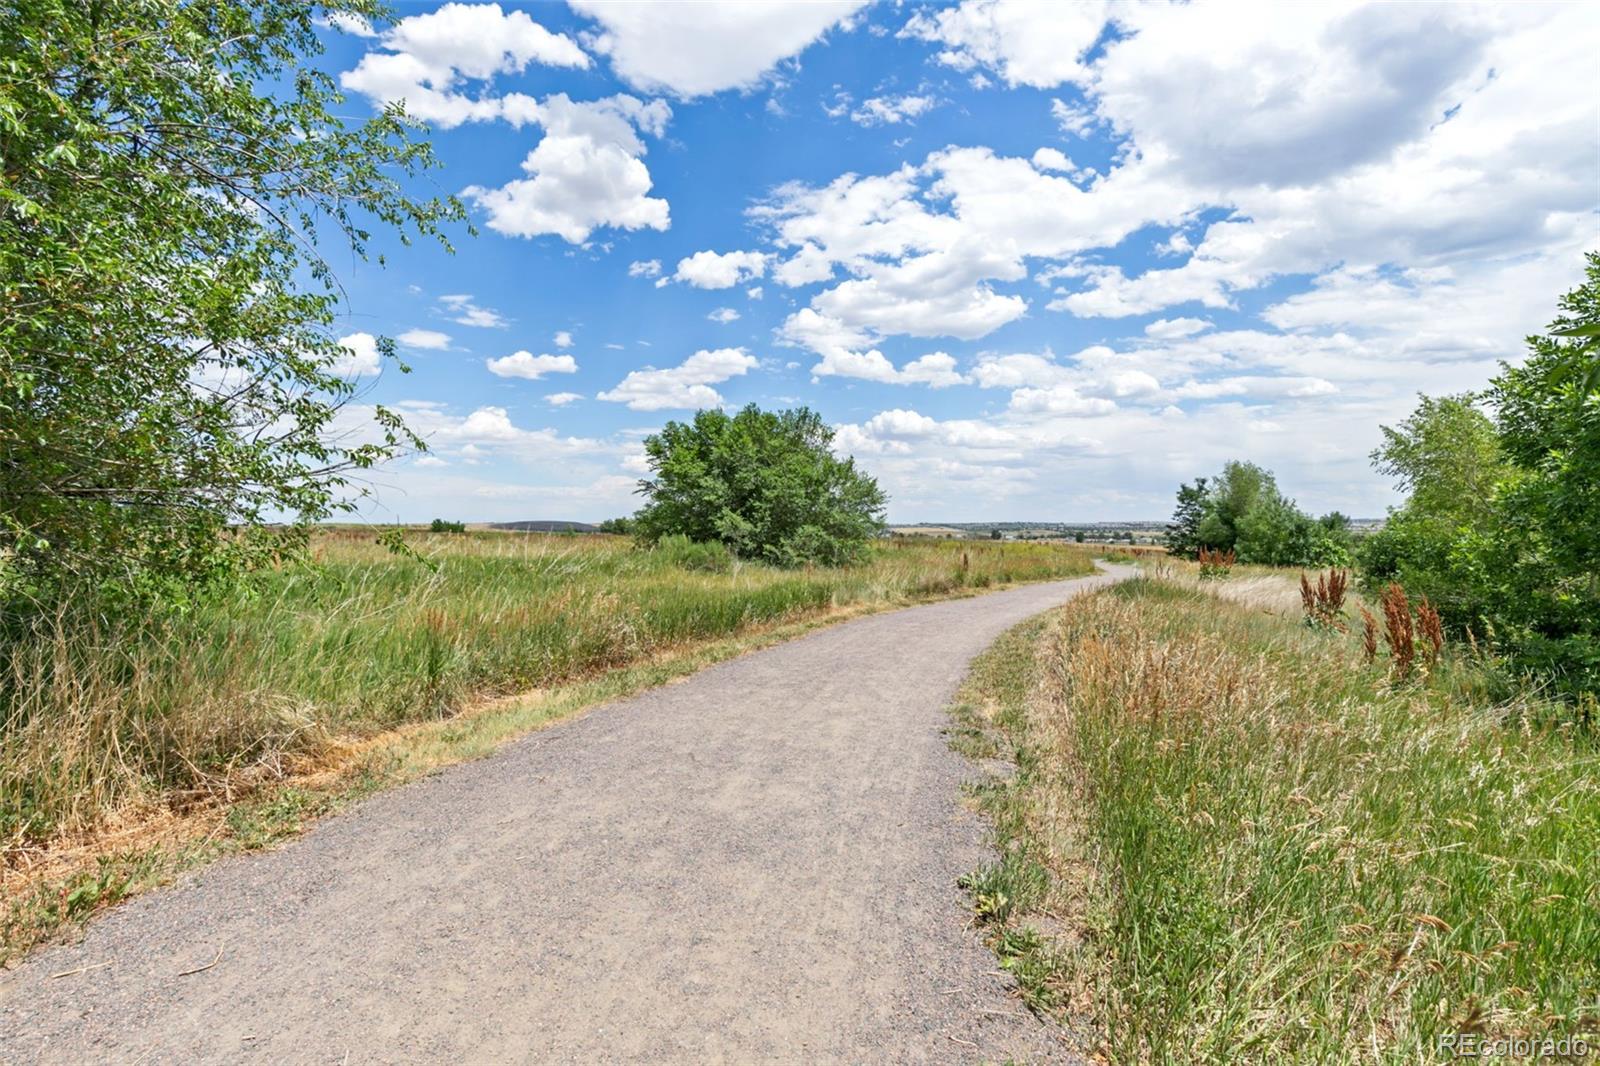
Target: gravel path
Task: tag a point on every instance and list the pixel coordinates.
(755, 864)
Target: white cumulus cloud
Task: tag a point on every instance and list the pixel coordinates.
(891, 110)
(361, 357)
(1024, 41)
(524, 364)
(1169, 328)
(687, 385)
(585, 172)
(465, 312)
(712, 270)
(430, 339)
(696, 49)
(426, 60)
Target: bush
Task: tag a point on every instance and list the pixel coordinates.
(441, 526)
(766, 485)
(1242, 512)
(1501, 528)
(709, 556)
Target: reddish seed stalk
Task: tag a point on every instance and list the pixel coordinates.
(1369, 636)
(1215, 563)
(1398, 631)
(1324, 602)
(1432, 629)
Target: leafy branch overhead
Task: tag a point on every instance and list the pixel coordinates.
(167, 370)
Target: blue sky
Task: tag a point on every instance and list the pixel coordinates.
(1034, 261)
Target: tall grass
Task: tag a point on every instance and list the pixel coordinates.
(96, 719)
(1296, 855)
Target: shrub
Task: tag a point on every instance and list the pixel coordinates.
(1501, 528)
(709, 556)
(1241, 510)
(441, 526)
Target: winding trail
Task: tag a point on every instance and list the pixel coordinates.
(756, 864)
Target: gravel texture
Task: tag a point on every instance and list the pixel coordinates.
(755, 864)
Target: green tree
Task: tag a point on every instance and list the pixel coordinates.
(1242, 510)
(1548, 413)
(168, 373)
(1233, 493)
(619, 526)
(1502, 526)
(764, 483)
(1446, 456)
(1547, 544)
(1183, 532)
(1275, 532)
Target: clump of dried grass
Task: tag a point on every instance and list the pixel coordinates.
(1399, 631)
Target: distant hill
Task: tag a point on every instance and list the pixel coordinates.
(546, 527)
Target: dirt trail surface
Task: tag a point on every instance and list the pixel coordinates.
(757, 864)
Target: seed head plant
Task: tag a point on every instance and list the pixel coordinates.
(1399, 632)
(1323, 602)
(1431, 627)
(1215, 564)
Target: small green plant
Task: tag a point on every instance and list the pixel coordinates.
(258, 825)
(1029, 957)
(1017, 881)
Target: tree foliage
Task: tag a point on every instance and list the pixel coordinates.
(1502, 525)
(169, 380)
(766, 484)
(1446, 455)
(1183, 532)
(1242, 511)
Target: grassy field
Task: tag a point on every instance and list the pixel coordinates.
(107, 729)
(1231, 839)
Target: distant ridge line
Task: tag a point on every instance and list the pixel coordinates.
(546, 527)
